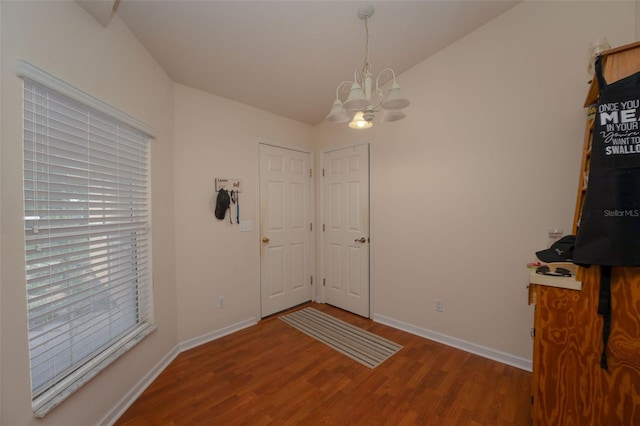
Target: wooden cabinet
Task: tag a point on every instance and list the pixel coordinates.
(569, 386)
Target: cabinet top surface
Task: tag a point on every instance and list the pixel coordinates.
(551, 281)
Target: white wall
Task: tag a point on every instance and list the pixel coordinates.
(488, 158)
(214, 138)
(61, 38)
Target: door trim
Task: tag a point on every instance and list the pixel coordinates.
(322, 297)
(312, 209)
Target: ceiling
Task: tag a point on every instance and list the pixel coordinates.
(287, 57)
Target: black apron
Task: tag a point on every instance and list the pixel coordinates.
(609, 229)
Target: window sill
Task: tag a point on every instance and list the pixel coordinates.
(50, 400)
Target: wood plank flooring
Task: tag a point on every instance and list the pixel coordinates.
(273, 374)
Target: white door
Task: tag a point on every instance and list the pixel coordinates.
(285, 226)
(345, 207)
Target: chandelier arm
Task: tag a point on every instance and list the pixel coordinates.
(340, 85)
(381, 73)
(389, 70)
(378, 87)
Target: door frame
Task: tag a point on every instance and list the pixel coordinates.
(322, 296)
(312, 209)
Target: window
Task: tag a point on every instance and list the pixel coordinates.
(87, 239)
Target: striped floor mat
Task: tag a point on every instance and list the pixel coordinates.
(356, 343)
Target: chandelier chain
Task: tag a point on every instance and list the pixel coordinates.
(365, 69)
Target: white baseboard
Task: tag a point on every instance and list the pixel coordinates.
(483, 351)
(205, 338)
(119, 409)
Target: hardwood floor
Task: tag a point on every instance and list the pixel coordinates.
(272, 374)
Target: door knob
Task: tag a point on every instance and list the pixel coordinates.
(265, 239)
(361, 240)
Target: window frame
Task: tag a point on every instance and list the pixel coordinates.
(143, 324)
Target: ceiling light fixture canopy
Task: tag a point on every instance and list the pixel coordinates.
(362, 101)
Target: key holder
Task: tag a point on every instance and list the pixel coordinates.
(228, 184)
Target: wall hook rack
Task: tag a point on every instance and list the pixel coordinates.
(228, 184)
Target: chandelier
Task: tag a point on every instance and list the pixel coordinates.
(363, 102)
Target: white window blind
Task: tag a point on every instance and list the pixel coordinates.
(88, 260)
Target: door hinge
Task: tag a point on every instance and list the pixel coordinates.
(322, 172)
(324, 282)
(311, 279)
(323, 227)
(311, 227)
(310, 172)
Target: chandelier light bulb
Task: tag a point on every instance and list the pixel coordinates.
(359, 121)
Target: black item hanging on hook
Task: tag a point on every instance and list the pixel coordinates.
(233, 200)
(236, 200)
(222, 204)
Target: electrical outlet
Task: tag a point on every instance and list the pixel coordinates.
(220, 302)
(439, 305)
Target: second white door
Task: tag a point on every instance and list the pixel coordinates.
(345, 200)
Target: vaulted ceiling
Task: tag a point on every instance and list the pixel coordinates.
(287, 57)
